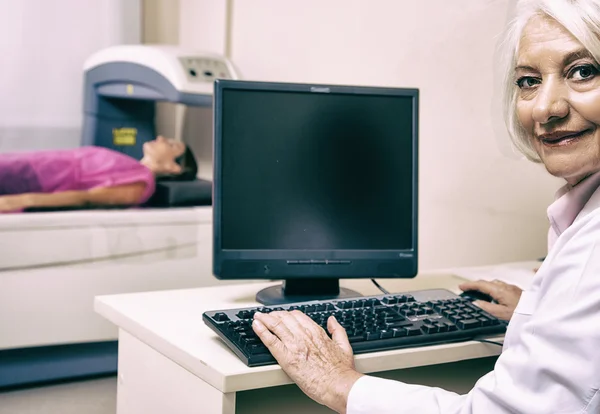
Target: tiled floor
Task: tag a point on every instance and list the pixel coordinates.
(97, 396)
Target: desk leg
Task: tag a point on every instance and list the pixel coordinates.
(149, 382)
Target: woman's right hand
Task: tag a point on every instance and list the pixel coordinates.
(507, 297)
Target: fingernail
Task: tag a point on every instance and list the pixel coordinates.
(258, 324)
(256, 314)
(476, 303)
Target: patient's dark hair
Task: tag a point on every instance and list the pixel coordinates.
(189, 167)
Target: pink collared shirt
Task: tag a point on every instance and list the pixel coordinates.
(76, 169)
(569, 201)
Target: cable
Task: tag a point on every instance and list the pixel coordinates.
(380, 287)
(490, 342)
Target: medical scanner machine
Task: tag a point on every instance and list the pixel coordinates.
(52, 264)
(122, 86)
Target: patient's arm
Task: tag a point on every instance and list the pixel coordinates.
(124, 195)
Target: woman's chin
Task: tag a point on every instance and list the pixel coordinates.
(568, 170)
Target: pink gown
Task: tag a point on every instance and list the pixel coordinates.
(82, 168)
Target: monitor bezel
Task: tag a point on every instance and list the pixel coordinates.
(274, 264)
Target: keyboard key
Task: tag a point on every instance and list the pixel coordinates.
(385, 334)
(373, 302)
(221, 317)
(427, 328)
(243, 314)
(390, 300)
(412, 331)
(454, 318)
(394, 318)
(371, 336)
(398, 324)
(451, 327)
(441, 327)
(469, 323)
(484, 321)
(399, 332)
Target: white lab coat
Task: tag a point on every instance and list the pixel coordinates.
(550, 362)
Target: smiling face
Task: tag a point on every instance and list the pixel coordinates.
(558, 102)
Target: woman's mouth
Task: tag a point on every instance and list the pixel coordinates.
(562, 138)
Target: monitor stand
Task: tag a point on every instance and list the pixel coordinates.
(303, 290)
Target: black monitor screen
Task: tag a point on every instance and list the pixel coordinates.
(316, 171)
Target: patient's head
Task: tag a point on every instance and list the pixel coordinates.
(552, 85)
(169, 159)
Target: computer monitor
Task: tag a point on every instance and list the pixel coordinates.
(313, 184)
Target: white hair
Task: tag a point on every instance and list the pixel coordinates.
(580, 17)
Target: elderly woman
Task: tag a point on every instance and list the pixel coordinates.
(551, 357)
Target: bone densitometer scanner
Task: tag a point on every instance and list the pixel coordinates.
(122, 86)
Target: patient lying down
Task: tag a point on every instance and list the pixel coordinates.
(89, 176)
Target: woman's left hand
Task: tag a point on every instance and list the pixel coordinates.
(322, 367)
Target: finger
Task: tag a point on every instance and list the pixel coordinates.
(271, 341)
(338, 334)
(498, 311)
(308, 324)
(482, 286)
(275, 325)
(291, 323)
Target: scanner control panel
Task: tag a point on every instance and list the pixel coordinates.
(204, 69)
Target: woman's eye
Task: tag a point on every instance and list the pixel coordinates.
(582, 73)
(527, 82)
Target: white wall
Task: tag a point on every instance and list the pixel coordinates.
(43, 45)
(478, 203)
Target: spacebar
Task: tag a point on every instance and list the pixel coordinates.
(399, 324)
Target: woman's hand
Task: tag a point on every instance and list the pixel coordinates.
(507, 297)
(322, 367)
(13, 203)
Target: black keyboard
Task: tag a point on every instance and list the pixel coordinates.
(373, 323)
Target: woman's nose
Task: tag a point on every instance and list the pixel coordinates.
(550, 103)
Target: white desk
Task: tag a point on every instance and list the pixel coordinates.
(170, 362)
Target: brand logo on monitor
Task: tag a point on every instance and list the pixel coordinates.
(321, 89)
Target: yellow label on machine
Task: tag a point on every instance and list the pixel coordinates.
(124, 136)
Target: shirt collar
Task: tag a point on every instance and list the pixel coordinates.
(569, 201)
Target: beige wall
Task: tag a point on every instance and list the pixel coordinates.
(478, 203)
(160, 25)
(160, 21)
